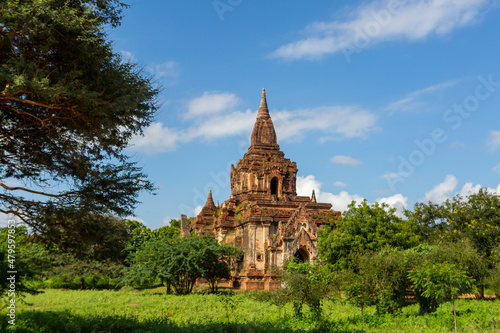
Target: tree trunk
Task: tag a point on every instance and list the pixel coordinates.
(82, 283)
(454, 314)
(480, 292)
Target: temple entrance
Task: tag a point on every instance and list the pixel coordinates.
(274, 186)
(302, 255)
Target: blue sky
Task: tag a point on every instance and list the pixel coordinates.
(393, 101)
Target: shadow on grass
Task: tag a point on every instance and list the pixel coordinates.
(51, 321)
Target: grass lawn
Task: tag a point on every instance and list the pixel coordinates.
(154, 311)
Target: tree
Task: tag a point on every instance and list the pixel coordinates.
(68, 107)
(179, 262)
(365, 228)
(441, 282)
(476, 218)
(99, 248)
(429, 218)
(359, 295)
(19, 254)
(301, 285)
(473, 220)
(384, 277)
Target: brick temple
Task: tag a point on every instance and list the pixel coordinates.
(264, 215)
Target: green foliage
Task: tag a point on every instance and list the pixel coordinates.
(493, 281)
(441, 282)
(154, 311)
(301, 285)
(18, 254)
(69, 106)
(384, 277)
(429, 219)
(365, 228)
(181, 261)
(477, 219)
(100, 253)
(359, 295)
(462, 254)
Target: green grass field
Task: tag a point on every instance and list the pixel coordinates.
(154, 311)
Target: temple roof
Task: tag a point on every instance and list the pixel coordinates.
(264, 134)
(263, 110)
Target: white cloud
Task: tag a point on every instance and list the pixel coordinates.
(343, 122)
(397, 201)
(345, 160)
(211, 118)
(442, 191)
(306, 184)
(134, 218)
(197, 210)
(410, 102)
(383, 20)
(469, 189)
(496, 168)
(210, 103)
(494, 142)
(219, 126)
(340, 184)
(340, 201)
(156, 139)
(446, 190)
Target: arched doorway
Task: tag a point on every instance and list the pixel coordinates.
(274, 186)
(302, 255)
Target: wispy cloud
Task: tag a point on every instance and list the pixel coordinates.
(383, 20)
(410, 101)
(496, 168)
(339, 122)
(156, 139)
(210, 103)
(213, 116)
(345, 160)
(392, 175)
(168, 72)
(494, 141)
(340, 184)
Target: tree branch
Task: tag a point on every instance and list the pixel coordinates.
(67, 194)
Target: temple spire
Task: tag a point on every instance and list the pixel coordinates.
(313, 197)
(263, 110)
(210, 201)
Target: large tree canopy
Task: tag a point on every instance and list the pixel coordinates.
(365, 228)
(68, 107)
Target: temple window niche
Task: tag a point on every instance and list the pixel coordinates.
(274, 186)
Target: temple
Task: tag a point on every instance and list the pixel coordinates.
(264, 215)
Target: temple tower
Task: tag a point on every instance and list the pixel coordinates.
(264, 216)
